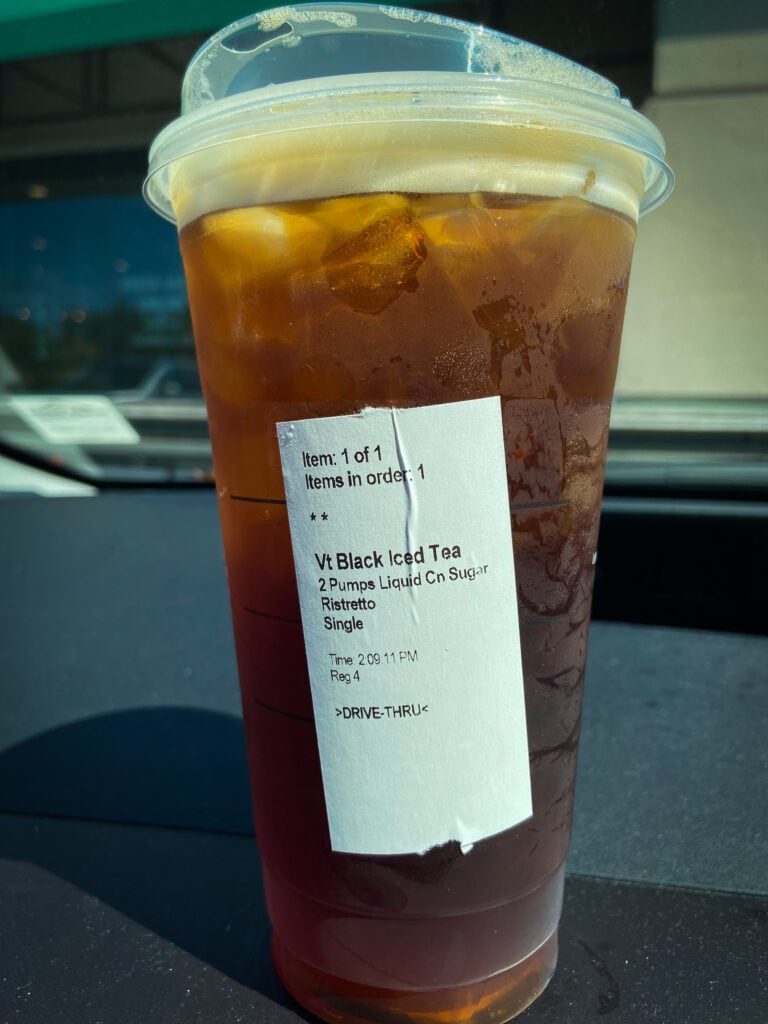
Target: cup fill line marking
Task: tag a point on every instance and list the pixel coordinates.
(270, 615)
(281, 711)
(260, 501)
(525, 506)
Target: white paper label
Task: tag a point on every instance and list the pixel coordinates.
(75, 419)
(403, 548)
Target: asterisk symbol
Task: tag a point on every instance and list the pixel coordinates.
(325, 515)
(313, 517)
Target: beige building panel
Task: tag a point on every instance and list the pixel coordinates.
(697, 317)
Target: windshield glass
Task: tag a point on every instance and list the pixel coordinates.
(97, 368)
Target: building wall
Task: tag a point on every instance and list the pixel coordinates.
(697, 316)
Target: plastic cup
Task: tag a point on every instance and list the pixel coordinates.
(407, 244)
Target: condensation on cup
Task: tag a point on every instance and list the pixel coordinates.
(407, 244)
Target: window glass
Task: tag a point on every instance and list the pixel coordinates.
(92, 297)
(691, 408)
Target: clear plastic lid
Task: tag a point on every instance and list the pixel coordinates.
(303, 66)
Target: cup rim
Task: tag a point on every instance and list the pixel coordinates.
(388, 97)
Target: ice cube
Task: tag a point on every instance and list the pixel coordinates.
(368, 271)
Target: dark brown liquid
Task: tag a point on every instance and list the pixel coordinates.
(318, 309)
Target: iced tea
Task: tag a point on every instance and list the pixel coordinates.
(319, 308)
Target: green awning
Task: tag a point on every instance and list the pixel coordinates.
(33, 28)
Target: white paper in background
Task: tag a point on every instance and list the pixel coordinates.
(75, 419)
(403, 548)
